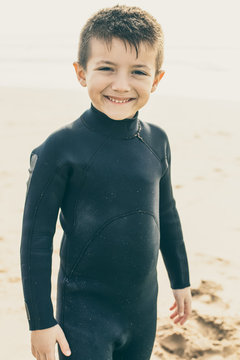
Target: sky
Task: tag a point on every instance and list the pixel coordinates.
(202, 48)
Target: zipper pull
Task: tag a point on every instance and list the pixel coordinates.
(139, 136)
(138, 132)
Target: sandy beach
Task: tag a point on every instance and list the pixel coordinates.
(204, 139)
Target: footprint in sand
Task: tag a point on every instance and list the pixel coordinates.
(175, 344)
(202, 337)
(212, 327)
(216, 332)
(206, 287)
(206, 293)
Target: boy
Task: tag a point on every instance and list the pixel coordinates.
(109, 172)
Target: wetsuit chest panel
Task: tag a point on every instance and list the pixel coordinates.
(123, 176)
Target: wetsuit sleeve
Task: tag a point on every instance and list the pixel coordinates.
(45, 189)
(171, 237)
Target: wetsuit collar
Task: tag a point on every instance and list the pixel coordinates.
(101, 123)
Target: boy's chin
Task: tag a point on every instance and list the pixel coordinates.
(119, 115)
(116, 112)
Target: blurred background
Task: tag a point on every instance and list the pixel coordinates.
(201, 44)
(197, 103)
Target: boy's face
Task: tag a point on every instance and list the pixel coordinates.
(119, 84)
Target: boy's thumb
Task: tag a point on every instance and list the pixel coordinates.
(62, 341)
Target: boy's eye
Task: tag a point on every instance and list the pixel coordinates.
(138, 72)
(105, 68)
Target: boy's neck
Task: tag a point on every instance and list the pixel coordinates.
(100, 122)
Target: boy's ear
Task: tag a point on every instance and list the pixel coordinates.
(80, 74)
(157, 79)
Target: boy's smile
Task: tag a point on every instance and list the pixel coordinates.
(119, 84)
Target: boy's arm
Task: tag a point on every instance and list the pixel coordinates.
(171, 238)
(45, 189)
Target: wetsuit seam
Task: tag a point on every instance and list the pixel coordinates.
(31, 232)
(151, 149)
(165, 171)
(101, 228)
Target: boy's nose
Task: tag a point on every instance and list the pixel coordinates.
(121, 83)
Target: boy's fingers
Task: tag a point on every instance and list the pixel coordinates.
(174, 314)
(62, 341)
(183, 320)
(173, 306)
(180, 319)
(181, 309)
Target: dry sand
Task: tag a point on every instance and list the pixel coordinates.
(204, 137)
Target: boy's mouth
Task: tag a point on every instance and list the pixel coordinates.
(118, 100)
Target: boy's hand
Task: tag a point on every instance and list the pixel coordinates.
(43, 343)
(183, 300)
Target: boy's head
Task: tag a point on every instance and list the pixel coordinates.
(130, 42)
(128, 23)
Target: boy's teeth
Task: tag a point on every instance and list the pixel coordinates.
(118, 101)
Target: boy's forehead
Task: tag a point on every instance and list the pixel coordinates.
(100, 49)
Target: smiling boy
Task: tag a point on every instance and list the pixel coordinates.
(118, 82)
(110, 174)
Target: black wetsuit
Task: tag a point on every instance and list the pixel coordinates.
(111, 179)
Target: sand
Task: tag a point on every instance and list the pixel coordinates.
(204, 138)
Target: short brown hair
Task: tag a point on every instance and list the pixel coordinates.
(128, 23)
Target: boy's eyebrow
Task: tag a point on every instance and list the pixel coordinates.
(105, 62)
(112, 63)
(141, 66)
